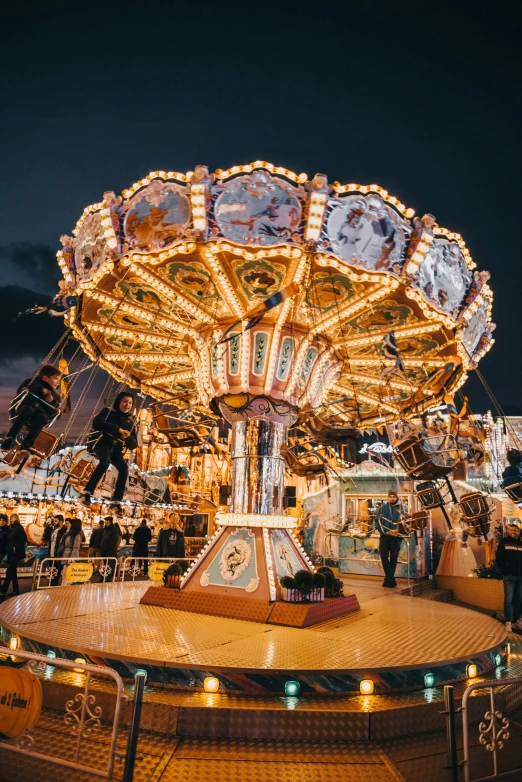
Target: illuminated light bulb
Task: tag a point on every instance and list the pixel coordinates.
(211, 684)
(366, 687)
(429, 679)
(498, 659)
(471, 671)
(292, 688)
(80, 661)
(13, 643)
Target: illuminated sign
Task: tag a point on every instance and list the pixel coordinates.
(376, 448)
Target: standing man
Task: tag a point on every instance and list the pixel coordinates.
(56, 535)
(509, 560)
(141, 537)
(48, 531)
(16, 543)
(387, 524)
(95, 540)
(4, 534)
(109, 540)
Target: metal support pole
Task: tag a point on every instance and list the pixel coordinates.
(451, 734)
(140, 677)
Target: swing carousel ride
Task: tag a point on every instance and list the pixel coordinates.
(301, 314)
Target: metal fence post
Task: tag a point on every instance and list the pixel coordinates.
(451, 733)
(140, 677)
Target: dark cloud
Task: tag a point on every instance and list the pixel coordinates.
(31, 266)
(27, 336)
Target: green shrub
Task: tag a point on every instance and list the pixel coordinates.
(287, 582)
(319, 580)
(328, 574)
(305, 581)
(492, 571)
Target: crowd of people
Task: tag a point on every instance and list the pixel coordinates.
(64, 538)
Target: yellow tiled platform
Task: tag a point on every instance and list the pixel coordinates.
(390, 630)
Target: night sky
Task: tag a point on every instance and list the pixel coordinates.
(424, 101)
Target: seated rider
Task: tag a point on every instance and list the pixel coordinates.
(114, 431)
(37, 403)
(513, 472)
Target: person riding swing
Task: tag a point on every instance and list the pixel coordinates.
(35, 406)
(113, 432)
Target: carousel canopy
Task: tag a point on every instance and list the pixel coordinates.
(272, 293)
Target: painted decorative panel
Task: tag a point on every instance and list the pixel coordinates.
(258, 209)
(369, 233)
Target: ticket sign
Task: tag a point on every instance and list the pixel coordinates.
(79, 572)
(156, 570)
(20, 701)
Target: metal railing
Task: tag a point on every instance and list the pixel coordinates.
(82, 716)
(135, 569)
(493, 730)
(56, 571)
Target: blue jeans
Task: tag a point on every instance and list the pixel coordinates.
(512, 598)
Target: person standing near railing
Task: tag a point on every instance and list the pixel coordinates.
(509, 560)
(142, 537)
(109, 541)
(16, 543)
(73, 540)
(4, 535)
(95, 540)
(56, 536)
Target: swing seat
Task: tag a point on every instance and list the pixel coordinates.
(476, 505)
(80, 473)
(480, 529)
(421, 457)
(417, 521)
(44, 444)
(12, 457)
(178, 436)
(513, 491)
(429, 495)
(306, 465)
(333, 527)
(184, 437)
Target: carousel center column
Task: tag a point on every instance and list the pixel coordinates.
(258, 469)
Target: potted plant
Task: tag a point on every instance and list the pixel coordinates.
(173, 574)
(304, 587)
(329, 577)
(289, 589)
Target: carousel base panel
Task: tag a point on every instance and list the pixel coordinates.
(393, 640)
(233, 607)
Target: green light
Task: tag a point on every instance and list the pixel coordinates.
(51, 654)
(140, 670)
(292, 688)
(429, 679)
(498, 659)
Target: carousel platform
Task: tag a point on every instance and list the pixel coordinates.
(393, 639)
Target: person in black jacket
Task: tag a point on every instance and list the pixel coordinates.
(141, 537)
(16, 543)
(109, 542)
(114, 431)
(171, 541)
(36, 404)
(509, 560)
(95, 540)
(4, 534)
(513, 472)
